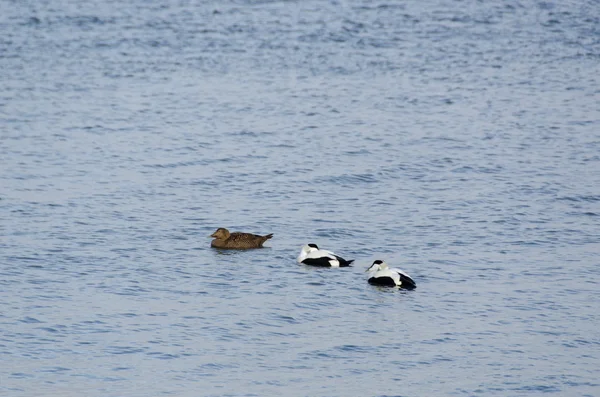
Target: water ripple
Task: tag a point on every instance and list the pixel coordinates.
(457, 143)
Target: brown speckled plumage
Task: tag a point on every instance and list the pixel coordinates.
(237, 240)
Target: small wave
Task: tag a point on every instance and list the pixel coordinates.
(33, 21)
(333, 232)
(539, 388)
(347, 179)
(21, 375)
(30, 320)
(163, 356)
(252, 134)
(357, 152)
(23, 258)
(587, 213)
(178, 164)
(286, 319)
(354, 348)
(118, 350)
(582, 198)
(55, 369)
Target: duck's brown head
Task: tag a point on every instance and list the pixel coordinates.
(221, 234)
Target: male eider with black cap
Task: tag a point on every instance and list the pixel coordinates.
(237, 240)
(383, 275)
(313, 256)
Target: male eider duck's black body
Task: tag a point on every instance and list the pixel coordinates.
(236, 240)
(313, 256)
(383, 275)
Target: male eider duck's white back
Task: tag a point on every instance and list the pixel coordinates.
(310, 254)
(382, 274)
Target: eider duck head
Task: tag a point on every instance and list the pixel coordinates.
(306, 249)
(221, 233)
(376, 266)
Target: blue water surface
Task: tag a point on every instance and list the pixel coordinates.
(457, 140)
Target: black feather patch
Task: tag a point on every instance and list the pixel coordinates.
(343, 262)
(407, 282)
(383, 281)
(323, 261)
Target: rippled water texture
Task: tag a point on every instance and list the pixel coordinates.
(458, 140)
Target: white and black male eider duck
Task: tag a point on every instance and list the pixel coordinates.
(312, 255)
(383, 275)
(237, 240)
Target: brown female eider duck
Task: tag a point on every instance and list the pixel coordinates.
(237, 240)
